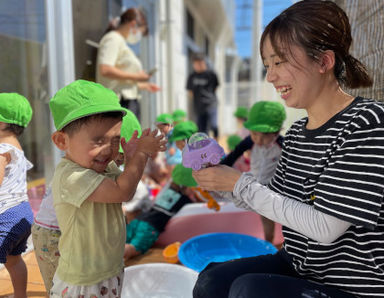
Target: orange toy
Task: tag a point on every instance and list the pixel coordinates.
(206, 196)
(170, 252)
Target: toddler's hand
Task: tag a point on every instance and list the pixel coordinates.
(150, 144)
(129, 147)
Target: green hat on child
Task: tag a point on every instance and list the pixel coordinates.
(241, 112)
(80, 99)
(15, 109)
(164, 118)
(129, 125)
(233, 141)
(178, 115)
(183, 130)
(266, 116)
(183, 176)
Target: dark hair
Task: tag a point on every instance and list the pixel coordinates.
(75, 125)
(17, 130)
(318, 26)
(131, 14)
(198, 57)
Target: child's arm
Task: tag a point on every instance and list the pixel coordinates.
(5, 158)
(137, 152)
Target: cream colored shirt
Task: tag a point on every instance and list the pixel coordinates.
(114, 51)
(92, 234)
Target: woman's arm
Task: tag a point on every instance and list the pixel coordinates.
(296, 215)
(113, 72)
(247, 193)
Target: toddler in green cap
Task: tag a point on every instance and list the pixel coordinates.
(140, 200)
(16, 215)
(182, 132)
(179, 115)
(143, 231)
(264, 122)
(88, 188)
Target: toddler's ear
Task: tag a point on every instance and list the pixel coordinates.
(59, 138)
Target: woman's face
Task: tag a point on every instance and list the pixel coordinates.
(297, 78)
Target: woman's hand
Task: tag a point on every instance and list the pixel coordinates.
(218, 178)
(142, 76)
(149, 87)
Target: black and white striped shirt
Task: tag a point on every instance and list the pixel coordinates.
(339, 168)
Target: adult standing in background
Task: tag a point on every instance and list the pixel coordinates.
(118, 68)
(201, 86)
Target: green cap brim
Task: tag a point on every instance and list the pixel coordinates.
(261, 127)
(88, 111)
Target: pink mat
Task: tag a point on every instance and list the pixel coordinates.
(181, 228)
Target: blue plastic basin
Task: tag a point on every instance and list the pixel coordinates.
(197, 252)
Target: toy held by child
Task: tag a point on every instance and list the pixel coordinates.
(16, 215)
(88, 188)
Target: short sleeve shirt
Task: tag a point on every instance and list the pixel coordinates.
(92, 234)
(203, 86)
(114, 51)
(13, 189)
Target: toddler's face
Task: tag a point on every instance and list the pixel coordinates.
(180, 144)
(95, 144)
(263, 139)
(164, 128)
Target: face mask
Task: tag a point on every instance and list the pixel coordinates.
(134, 37)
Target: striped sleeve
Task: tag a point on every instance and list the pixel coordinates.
(351, 187)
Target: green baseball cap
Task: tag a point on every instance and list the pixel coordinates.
(80, 99)
(178, 115)
(183, 130)
(183, 176)
(266, 116)
(233, 141)
(15, 109)
(164, 118)
(241, 112)
(129, 125)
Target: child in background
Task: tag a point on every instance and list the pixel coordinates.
(140, 201)
(88, 188)
(172, 156)
(129, 125)
(16, 215)
(181, 132)
(241, 115)
(143, 231)
(264, 123)
(156, 173)
(45, 236)
(242, 163)
(178, 116)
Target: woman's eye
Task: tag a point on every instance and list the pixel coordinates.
(266, 66)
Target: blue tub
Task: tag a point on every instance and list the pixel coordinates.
(197, 252)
